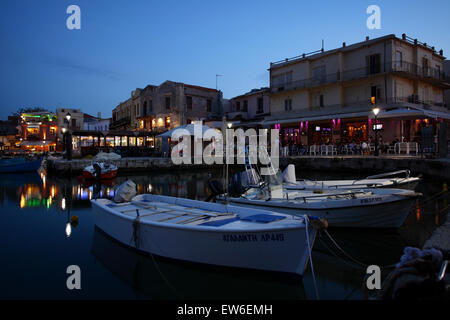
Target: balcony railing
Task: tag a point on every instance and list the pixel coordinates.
(406, 68)
(120, 122)
(390, 101)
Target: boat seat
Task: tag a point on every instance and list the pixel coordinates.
(219, 223)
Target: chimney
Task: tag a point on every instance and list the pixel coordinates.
(99, 115)
(343, 44)
(441, 52)
(367, 38)
(404, 36)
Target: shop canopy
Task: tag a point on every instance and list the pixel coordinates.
(409, 113)
(319, 118)
(188, 127)
(37, 143)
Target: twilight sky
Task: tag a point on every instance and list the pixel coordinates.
(127, 44)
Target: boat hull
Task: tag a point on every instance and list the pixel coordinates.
(384, 215)
(406, 184)
(103, 176)
(282, 250)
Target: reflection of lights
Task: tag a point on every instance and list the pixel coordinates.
(52, 191)
(150, 188)
(63, 203)
(22, 201)
(68, 230)
(418, 214)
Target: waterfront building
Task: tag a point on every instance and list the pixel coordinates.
(9, 132)
(249, 109)
(164, 107)
(447, 91)
(39, 131)
(76, 120)
(328, 96)
(91, 123)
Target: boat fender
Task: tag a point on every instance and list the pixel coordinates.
(125, 192)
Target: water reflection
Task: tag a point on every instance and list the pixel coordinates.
(159, 278)
(65, 199)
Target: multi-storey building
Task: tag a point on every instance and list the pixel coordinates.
(39, 131)
(92, 123)
(250, 108)
(169, 105)
(326, 96)
(75, 123)
(9, 132)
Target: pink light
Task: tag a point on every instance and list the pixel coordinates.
(334, 123)
(301, 125)
(306, 125)
(339, 122)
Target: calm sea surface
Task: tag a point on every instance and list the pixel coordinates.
(37, 246)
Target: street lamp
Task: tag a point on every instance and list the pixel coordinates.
(68, 138)
(375, 112)
(229, 124)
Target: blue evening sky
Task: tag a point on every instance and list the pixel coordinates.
(127, 44)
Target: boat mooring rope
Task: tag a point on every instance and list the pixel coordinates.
(362, 264)
(310, 256)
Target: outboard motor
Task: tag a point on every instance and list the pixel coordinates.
(216, 188)
(98, 170)
(235, 187)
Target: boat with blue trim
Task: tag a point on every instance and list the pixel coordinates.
(209, 233)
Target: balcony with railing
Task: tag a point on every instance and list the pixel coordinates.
(403, 68)
(120, 122)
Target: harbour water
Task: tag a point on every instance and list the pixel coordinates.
(39, 243)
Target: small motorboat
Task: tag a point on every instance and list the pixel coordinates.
(397, 179)
(209, 233)
(353, 208)
(19, 165)
(100, 170)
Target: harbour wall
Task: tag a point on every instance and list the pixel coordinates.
(439, 168)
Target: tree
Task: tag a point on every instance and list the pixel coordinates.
(30, 109)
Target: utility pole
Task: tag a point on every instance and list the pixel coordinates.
(217, 76)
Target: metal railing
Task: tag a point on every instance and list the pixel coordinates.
(120, 122)
(408, 68)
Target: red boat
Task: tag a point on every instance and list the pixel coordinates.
(106, 171)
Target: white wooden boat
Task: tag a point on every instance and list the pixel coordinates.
(385, 180)
(365, 208)
(209, 233)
